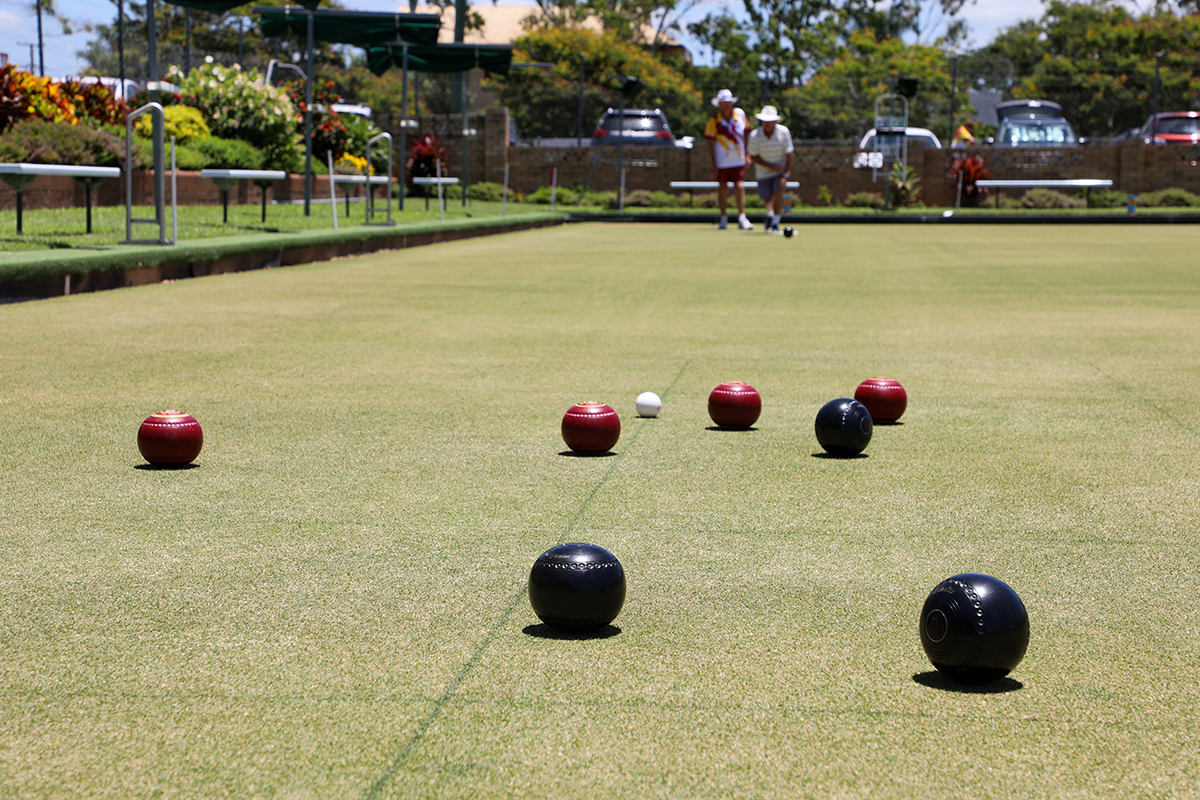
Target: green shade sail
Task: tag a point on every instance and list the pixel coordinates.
(221, 6)
(358, 28)
(455, 57)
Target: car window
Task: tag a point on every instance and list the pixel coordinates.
(1022, 134)
(632, 123)
(1179, 125)
(924, 141)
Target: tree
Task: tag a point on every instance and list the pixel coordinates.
(838, 102)
(791, 40)
(1097, 60)
(545, 102)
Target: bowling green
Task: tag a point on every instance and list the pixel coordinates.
(331, 602)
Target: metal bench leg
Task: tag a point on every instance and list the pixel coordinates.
(20, 211)
(87, 192)
(225, 206)
(263, 189)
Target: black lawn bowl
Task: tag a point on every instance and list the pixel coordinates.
(844, 427)
(974, 628)
(577, 588)
(787, 231)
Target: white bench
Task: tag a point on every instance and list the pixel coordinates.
(348, 182)
(226, 179)
(19, 176)
(1032, 183)
(439, 183)
(693, 185)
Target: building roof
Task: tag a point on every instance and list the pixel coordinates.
(502, 24)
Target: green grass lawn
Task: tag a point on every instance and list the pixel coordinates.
(67, 227)
(331, 603)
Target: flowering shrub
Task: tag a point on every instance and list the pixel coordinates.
(183, 122)
(239, 104)
(24, 95)
(423, 157)
(350, 165)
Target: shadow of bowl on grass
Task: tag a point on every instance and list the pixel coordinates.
(936, 680)
(544, 631)
(892, 424)
(577, 454)
(840, 458)
(155, 468)
(722, 429)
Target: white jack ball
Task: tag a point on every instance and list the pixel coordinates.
(648, 404)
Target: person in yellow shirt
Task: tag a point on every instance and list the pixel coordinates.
(964, 137)
(726, 134)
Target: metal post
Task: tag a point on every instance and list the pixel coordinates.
(156, 120)
(241, 40)
(308, 99)
(187, 41)
(953, 93)
(403, 128)
(465, 138)
(553, 187)
(121, 47)
(41, 46)
(620, 156)
(504, 200)
(579, 124)
(332, 188)
(174, 198)
(1158, 57)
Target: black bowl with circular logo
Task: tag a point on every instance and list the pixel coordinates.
(844, 427)
(974, 628)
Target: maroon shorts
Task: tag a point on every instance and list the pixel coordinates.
(731, 175)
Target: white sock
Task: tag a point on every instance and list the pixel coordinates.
(774, 220)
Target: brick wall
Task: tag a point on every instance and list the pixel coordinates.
(1133, 168)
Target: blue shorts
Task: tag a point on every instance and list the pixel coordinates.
(767, 187)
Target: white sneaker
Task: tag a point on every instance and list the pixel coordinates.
(744, 223)
(775, 231)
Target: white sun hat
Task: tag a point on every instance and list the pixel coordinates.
(724, 96)
(768, 114)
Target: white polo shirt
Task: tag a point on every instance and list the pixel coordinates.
(773, 149)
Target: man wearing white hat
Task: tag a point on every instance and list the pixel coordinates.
(726, 135)
(770, 149)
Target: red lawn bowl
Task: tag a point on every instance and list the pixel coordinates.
(591, 427)
(883, 397)
(734, 405)
(170, 439)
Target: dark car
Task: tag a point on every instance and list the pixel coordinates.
(643, 126)
(1033, 123)
(1172, 127)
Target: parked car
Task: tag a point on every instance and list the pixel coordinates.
(916, 136)
(1172, 127)
(1033, 123)
(642, 126)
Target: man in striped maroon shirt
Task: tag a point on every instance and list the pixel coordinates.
(726, 134)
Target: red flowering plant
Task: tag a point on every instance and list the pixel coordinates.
(329, 132)
(967, 171)
(423, 157)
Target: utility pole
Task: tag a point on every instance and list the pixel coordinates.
(41, 43)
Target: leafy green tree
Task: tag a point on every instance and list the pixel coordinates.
(545, 102)
(839, 101)
(1097, 60)
(788, 41)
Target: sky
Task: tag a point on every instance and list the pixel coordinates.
(18, 25)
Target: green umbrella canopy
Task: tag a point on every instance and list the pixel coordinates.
(359, 28)
(456, 57)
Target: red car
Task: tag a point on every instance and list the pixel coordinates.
(1172, 127)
